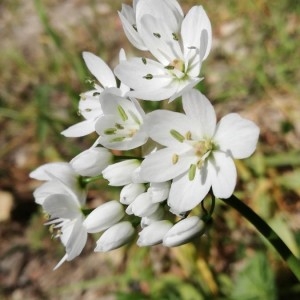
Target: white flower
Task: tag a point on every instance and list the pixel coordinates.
(179, 53)
(67, 217)
(183, 231)
(91, 162)
(60, 178)
(115, 237)
(154, 233)
(168, 9)
(156, 216)
(120, 173)
(199, 153)
(130, 191)
(121, 126)
(89, 104)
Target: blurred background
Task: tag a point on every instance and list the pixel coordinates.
(253, 69)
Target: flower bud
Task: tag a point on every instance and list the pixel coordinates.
(156, 216)
(130, 191)
(91, 162)
(120, 173)
(183, 231)
(159, 191)
(104, 216)
(115, 237)
(142, 206)
(154, 233)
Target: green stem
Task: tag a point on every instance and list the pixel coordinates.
(292, 261)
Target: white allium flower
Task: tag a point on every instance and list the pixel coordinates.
(179, 50)
(115, 237)
(67, 217)
(183, 231)
(154, 233)
(199, 153)
(168, 9)
(89, 105)
(130, 191)
(154, 217)
(91, 162)
(60, 178)
(120, 174)
(121, 126)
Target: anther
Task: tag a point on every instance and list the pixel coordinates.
(179, 137)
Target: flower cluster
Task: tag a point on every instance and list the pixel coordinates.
(185, 156)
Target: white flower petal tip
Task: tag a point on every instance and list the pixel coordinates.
(184, 231)
(115, 237)
(104, 216)
(154, 233)
(91, 162)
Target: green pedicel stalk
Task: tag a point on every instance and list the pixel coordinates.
(292, 261)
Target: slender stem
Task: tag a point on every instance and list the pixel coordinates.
(292, 261)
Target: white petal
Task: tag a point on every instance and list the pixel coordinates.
(128, 22)
(160, 123)
(104, 216)
(89, 106)
(236, 135)
(62, 206)
(99, 69)
(185, 194)
(142, 206)
(130, 191)
(134, 71)
(80, 129)
(158, 38)
(196, 31)
(199, 109)
(223, 174)
(160, 167)
(159, 191)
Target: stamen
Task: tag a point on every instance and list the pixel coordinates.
(148, 76)
(119, 126)
(122, 113)
(169, 67)
(175, 36)
(110, 131)
(175, 134)
(87, 109)
(118, 139)
(188, 135)
(192, 172)
(134, 27)
(157, 35)
(144, 60)
(175, 159)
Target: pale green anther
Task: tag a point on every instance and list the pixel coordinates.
(148, 76)
(157, 35)
(188, 135)
(110, 131)
(175, 159)
(88, 109)
(192, 172)
(170, 67)
(118, 139)
(119, 126)
(175, 36)
(179, 137)
(122, 113)
(134, 117)
(96, 94)
(144, 60)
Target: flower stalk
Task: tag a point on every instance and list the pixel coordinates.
(292, 261)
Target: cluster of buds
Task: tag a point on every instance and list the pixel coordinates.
(184, 156)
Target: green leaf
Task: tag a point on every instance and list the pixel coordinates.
(255, 281)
